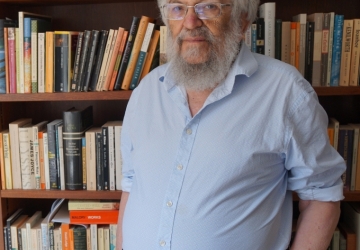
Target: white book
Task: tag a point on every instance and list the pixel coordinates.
(57, 237)
(41, 62)
(267, 11)
(14, 230)
(7, 159)
(301, 18)
(94, 237)
(61, 157)
(90, 137)
(105, 59)
(118, 157)
(35, 156)
(113, 230)
(34, 240)
(100, 238)
(23, 231)
(27, 170)
(30, 223)
(247, 37)
(106, 237)
(46, 160)
(14, 150)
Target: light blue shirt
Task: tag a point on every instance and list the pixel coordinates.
(223, 179)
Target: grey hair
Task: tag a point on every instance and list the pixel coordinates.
(240, 7)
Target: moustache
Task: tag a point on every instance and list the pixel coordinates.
(202, 32)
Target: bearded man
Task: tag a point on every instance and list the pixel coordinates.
(215, 142)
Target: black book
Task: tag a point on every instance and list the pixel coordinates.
(53, 166)
(91, 58)
(345, 149)
(83, 59)
(127, 52)
(79, 237)
(105, 157)
(99, 54)
(309, 45)
(278, 31)
(260, 36)
(61, 60)
(76, 122)
(99, 165)
(75, 75)
(7, 231)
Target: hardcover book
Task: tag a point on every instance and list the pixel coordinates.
(76, 122)
(75, 75)
(346, 52)
(93, 216)
(94, 41)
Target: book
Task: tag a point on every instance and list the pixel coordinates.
(247, 37)
(42, 158)
(267, 11)
(336, 55)
(345, 149)
(355, 55)
(140, 34)
(142, 55)
(151, 52)
(11, 59)
(83, 161)
(6, 52)
(285, 41)
(49, 62)
(2, 163)
(35, 156)
(118, 59)
(91, 58)
(113, 230)
(90, 136)
(83, 60)
(330, 49)
(65, 240)
(25, 147)
(293, 44)
(93, 234)
(76, 122)
(325, 49)
(46, 160)
(64, 56)
(52, 153)
(79, 236)
(60, 156)
(75, 75)
(35, 237)
(99, 161)
(260, 36)
(309, 50)
(317, 18)
(301, 19)
(30, 223)
(354, 155)
(278, 31)
(14, 149)
(14, 230)
(11, 219)
(346, 52)
(7, 158)
(126, 56)
(93, 216)
(162, 45)
(22, 41)
(350, 218)
(93, 204)
(253, 36)
(99, 54)
(112, 59)
(41, 62)
(118, 156)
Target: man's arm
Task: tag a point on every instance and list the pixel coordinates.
(316, 224)
(123, 201)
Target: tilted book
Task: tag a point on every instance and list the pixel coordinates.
(76, 122)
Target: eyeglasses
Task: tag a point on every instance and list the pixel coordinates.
(177, 11)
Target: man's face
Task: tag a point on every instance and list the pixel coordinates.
(198, 37)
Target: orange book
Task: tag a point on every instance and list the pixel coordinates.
(112, 59)
(6, 50)
(41, 159)
(65, 238)
(93, 216)
(135, 51)
(118, 59)
(49, 68)
(71, 238)
(331, 135)
(151, 52)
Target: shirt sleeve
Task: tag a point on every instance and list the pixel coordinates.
(314, 166)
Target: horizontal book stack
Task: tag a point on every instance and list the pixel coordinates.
(38, 59)
(61, 154)
(324, 47)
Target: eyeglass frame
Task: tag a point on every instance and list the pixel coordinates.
(194, 6)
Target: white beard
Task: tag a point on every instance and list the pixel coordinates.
(207, 75)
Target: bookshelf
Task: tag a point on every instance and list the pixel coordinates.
(340, 102)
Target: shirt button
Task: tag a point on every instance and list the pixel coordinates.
(162, 243)
(169, 203)
(189, 131)
(179, 167)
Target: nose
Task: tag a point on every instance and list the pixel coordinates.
(191, 20)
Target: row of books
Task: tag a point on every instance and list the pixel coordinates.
(324, 47)
(36, 59)
(58, 231)
(345, 139)
(65, 153)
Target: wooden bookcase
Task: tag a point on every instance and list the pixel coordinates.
(340, 102)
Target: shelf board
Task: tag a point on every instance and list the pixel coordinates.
(333, 91)
(71, 96)
(64, 2)
(54, 194)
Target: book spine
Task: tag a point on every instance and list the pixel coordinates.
(49, 62)
(24, 150)
(285, 41)
(7, 160)
(60, 156)
(309, 50)
(46, 161)
(53, 173)
(83, 60)
(331, 41)
(35, 157)
(34, 54)
(17, 44)
(83, 157)
(278, 26)
(293, 44)
(2, 163)
(61, 60)
(93, 233)
(346, 53)
(2, 59)
(267, 11)
(75, 75)
(12, 59)
(111, 157)
(162, 45)
(99, 163)
(41, 160)
(354, 158)
(21, 52)
(79, 237)
(336, 55)
(118, 157)
(41, 63)
(355, 61)
(27, 55)
(151, 53)
(90, 161)
(91, 58)
(93, 216)
(113, 230)
(260, 36)
(316, 72)
(297, 46)
(105, 157)
(325, 49)
(253, 37)
(126, 56)
(93, 205)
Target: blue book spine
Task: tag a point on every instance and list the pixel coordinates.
(253, 37)
(138, 70)
(336, 54)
